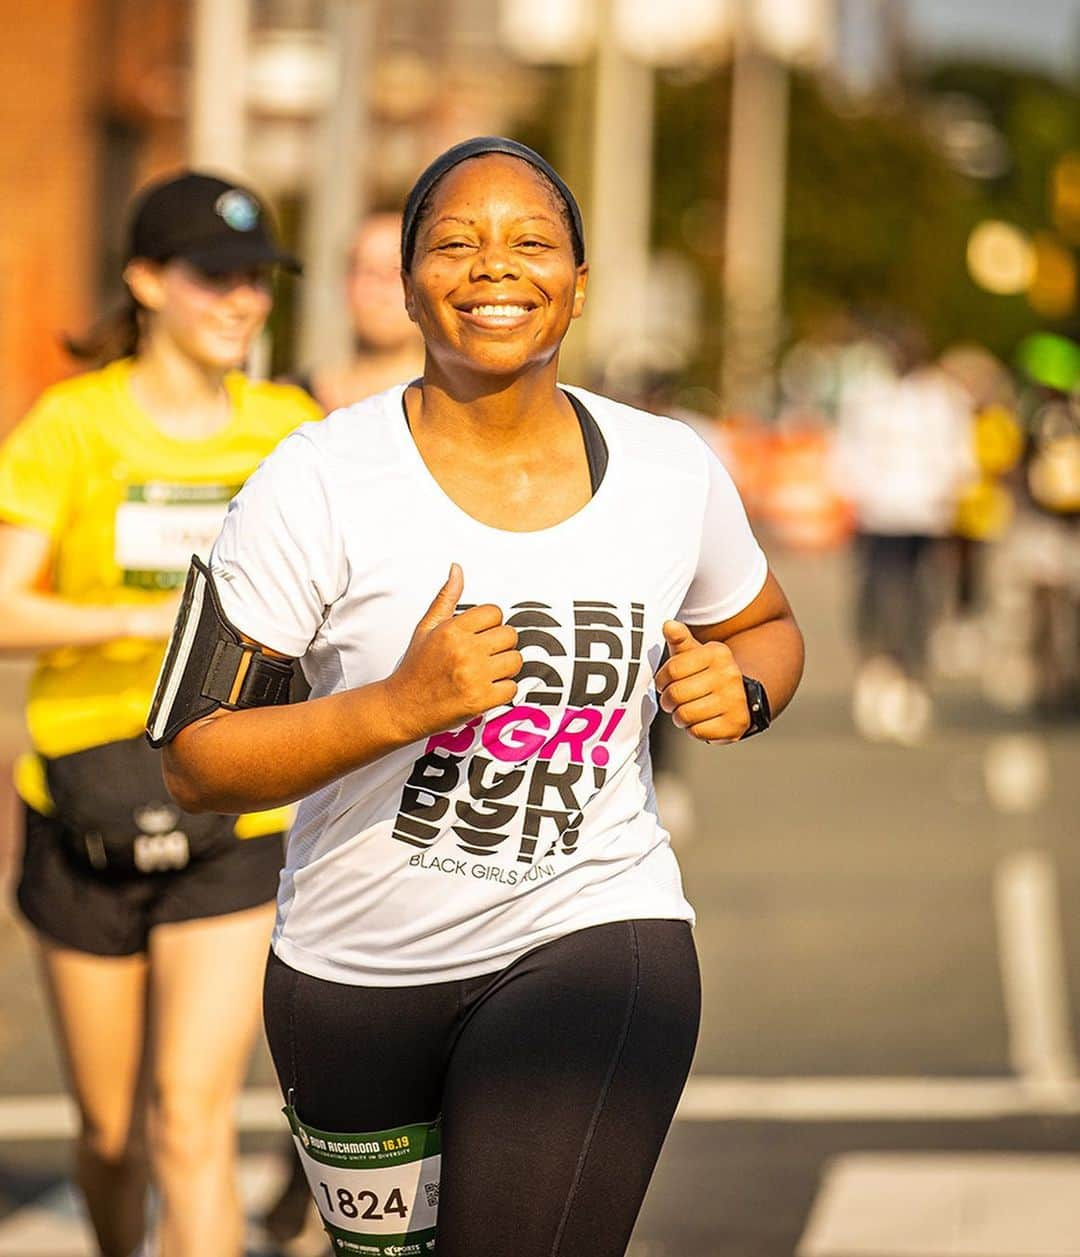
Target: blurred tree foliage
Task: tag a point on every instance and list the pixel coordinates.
(877, 219)
(877, 222)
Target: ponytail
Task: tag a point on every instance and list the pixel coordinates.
(115, 335)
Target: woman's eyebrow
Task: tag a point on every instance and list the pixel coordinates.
(453, 218)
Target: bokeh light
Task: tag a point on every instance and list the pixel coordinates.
(1052, 292)
(558, 32)
(1065, 196)
(1000, 257)
(672, 33)
(1050, 360)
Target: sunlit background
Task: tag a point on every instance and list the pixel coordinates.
(841, 238)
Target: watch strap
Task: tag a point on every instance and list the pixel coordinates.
(757, 704)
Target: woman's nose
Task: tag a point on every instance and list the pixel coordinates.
(247, 293)
(494, 261)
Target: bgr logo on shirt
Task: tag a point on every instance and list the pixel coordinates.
(526, 772)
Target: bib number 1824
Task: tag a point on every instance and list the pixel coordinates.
(364, 1204)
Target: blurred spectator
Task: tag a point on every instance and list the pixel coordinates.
(386, 345)
(905, 451)
(986, 506)
(106, 487)
(1033, 621)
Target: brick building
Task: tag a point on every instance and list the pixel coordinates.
(90, 104)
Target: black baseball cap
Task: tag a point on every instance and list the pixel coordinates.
(212, 223)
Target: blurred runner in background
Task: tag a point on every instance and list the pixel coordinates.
(152, 924)
(386, 345)
(1034, 579)
(985, 514)
(905, 451)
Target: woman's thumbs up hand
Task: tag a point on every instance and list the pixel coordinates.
(701, 687)
(456, 666)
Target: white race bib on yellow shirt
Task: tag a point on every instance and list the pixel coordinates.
(160, 526)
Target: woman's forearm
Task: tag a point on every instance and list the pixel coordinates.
(34, 621)
(245, 761)
(773, 653)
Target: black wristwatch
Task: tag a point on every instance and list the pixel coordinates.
(757, 703)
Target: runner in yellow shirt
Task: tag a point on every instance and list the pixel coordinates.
(153, 924)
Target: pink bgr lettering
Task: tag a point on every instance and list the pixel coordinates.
(588, 720)
(454, 741)
(523, 733)
(506, 738)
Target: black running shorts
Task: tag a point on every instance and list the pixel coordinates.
(113, 916)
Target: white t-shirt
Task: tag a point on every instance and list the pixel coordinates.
(905, 450)
(452, 857)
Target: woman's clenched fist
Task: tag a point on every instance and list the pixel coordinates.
(701, 686)
(456, 666)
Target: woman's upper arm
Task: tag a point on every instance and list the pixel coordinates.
(177, 756)
(770, 604)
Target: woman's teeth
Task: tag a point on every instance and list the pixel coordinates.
(494, 312)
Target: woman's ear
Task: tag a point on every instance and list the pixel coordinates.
(145, 282)
(580, 285)
(410, 300)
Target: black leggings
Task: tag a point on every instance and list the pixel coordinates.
(556, 1079)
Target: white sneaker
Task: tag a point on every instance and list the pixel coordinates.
(910, 714)
(875, 683)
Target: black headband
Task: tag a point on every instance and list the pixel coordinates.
(480, 146)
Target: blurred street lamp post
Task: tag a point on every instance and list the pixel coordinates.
(620, 193)
(767, 36)
(218, 110)
(337, 184)
(754, 229)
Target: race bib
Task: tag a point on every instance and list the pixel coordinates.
(377, 1194)
(160, 526)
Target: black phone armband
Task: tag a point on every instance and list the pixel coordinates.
(209, 665)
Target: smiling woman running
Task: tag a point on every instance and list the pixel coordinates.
(482, 937)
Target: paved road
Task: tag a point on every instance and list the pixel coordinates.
(868, 918)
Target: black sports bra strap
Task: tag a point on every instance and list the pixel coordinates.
(596, 450)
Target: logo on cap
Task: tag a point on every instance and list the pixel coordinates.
(239, 210)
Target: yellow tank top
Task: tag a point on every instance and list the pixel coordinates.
(125, 506)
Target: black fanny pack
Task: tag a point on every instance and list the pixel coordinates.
(117, 818)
